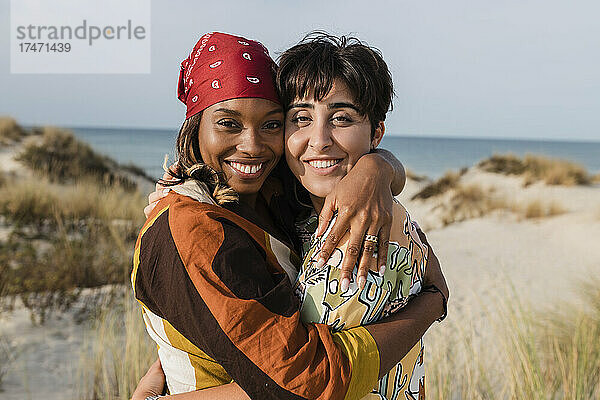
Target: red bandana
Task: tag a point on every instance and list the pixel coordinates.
(224, 67)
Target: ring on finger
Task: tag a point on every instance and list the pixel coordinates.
(371, 244)
(371, 238)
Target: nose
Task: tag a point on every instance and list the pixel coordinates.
(320, 136)
(251, 142)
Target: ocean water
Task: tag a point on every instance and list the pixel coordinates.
(431, 156)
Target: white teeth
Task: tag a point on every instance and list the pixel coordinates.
(323, 163)
(246, 168)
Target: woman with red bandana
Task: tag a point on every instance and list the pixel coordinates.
(213, 264)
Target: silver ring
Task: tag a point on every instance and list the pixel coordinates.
(371, 238)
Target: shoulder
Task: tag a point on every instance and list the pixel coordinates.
(403, 229)
(188, 217)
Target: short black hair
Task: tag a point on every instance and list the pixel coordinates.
(320, 58)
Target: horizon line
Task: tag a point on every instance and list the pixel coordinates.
(388, 134)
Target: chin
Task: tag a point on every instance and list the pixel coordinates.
(247, 189)
(319, 190)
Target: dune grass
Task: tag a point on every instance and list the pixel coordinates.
(50, 274)
(10, 131)
(65, 237)
(518, 351)
(506, 350)
(7, 355)
(117, 352)
(449, 181)
(60, 157)
(39, 201)
(540, 209)
(538, 168)
(410, 174)
(470, 201)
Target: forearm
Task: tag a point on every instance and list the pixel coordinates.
(397, 169)
(397, 334)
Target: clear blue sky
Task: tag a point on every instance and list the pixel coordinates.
(480, 68)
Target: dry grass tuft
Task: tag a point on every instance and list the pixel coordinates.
(59, 156)
(10, 131)
(536, 168)
(117, 354)
(518, 352)
(39, 202)
(539, 209)
(7, 355)
(471, 201)
(555, 353)
(449, 181)
(415, 177)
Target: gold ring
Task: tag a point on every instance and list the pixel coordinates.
(371, 238)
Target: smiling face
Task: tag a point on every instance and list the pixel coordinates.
(324, 139)
(243, 138)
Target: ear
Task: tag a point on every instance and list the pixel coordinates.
(378, 135)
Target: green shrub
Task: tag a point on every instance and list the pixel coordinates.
(59, 156)
(49, 274)
(64, 238)
(537, 168)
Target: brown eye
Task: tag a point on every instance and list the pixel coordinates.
(301, 120)
(342, 120)
(273, 125)
(228, 123)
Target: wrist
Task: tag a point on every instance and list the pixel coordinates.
(441, 303)
(149, 395)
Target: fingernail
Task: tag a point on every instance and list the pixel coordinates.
(361, 282)
(166, 191)
(344, 285)
(320, 263)
(382, 270)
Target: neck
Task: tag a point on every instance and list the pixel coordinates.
(317, 202)
(249, 199)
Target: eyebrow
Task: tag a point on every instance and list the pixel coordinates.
(228, 111)
(301, 105)
(275, 111)
(330, 106)
(239, 114)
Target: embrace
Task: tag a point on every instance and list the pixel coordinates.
(275, 262)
